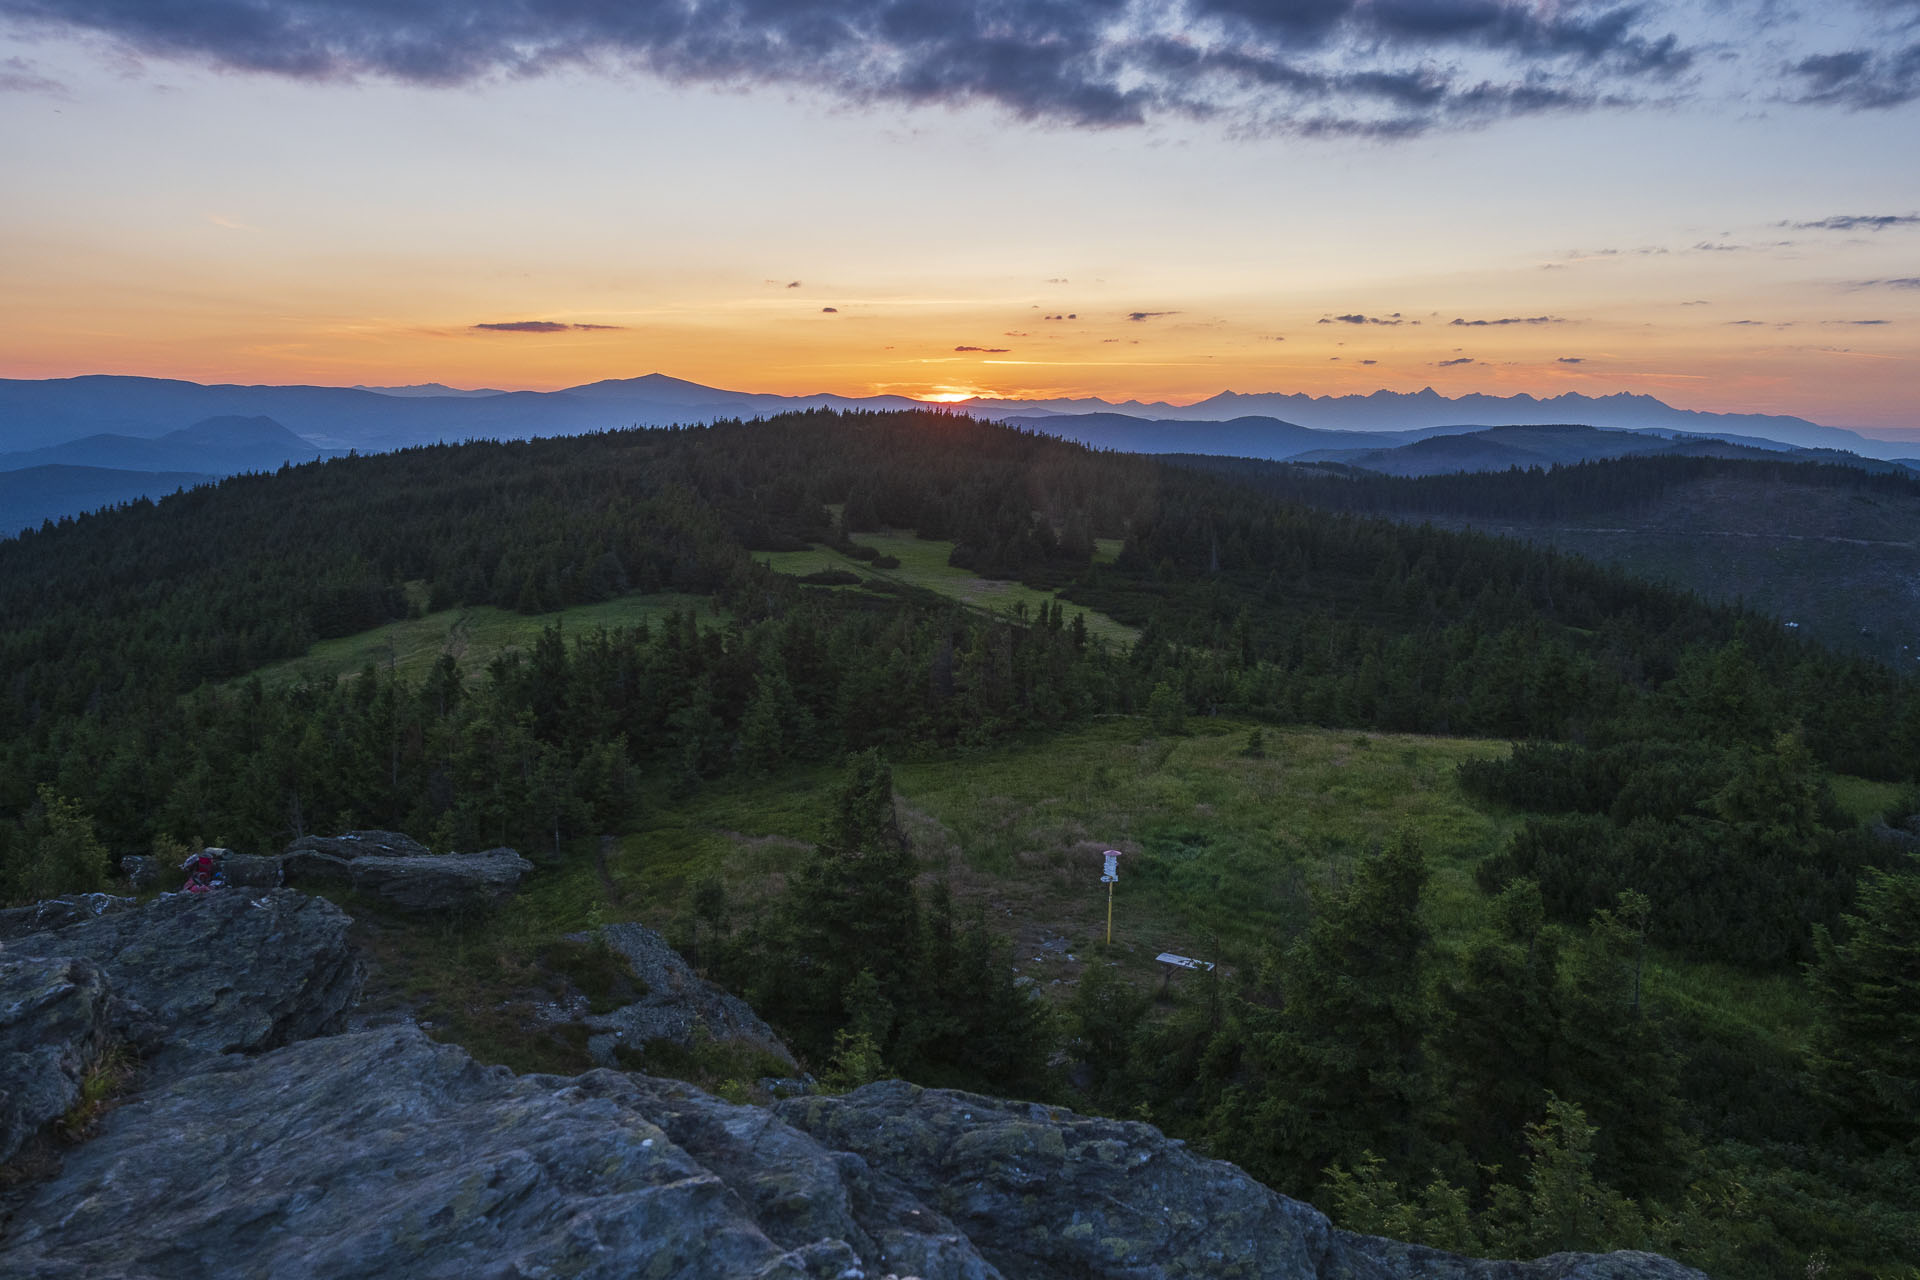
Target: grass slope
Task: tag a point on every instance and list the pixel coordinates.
(923, 563)
(473, 636)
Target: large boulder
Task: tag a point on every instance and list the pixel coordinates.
(219, 972)
(438, 882)
(402, 871)
(679, 1006)
(357, 844)
(384, 1154)
(53, 1026)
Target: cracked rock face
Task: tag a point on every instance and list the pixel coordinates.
(220, 972)
(53, 1024)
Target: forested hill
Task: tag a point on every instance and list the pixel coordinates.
(1247, 605)
(1829, 548)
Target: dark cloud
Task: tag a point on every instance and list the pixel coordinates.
(1857, 222)
(793, 284)
(992, 351)
(1896, 282)
(1859, 79)
(1369, 362)
(1477, 324)
(1072, 316)
(1383, 68)
(1357, 318)
(1441, 364)
(1147, 315)
(1745, 322)
(829, 311)
(1856, 322)
(1571, 359)
(540, 326)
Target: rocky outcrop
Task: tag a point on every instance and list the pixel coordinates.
(220, 972)
(382, 1153)
(678, 1006)
(404, 872)
(53, 1025)
(1047, 1194)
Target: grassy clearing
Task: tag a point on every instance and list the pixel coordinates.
(474, 637)
(1221, 850)
(924, 564)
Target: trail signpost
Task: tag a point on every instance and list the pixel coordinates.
(1110, 876)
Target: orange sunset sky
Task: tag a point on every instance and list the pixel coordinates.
(1734, 232)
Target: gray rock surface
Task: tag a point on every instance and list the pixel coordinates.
(678, 1005)
(53, 1025)
(246, 871)
(220, 972)
(384, 1154)
(56, 913)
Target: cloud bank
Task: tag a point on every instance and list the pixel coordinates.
(1373, 67)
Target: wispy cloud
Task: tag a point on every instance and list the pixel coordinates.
(17, 75)
(1856, 222)
(540, 326)
(993, 351)
(1137, 316)
(1442, 364)
(1570, 359)
(1894, 282)
(1357, 318)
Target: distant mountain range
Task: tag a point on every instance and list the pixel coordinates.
(218, 446)
(1423, 451)
(166, 428)
(35, 414)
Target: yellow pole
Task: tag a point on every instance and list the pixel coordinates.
(1109, 913)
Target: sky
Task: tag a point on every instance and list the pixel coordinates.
(1714, 202)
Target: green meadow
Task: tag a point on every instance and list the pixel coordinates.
(473, 636)
(923, 563)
